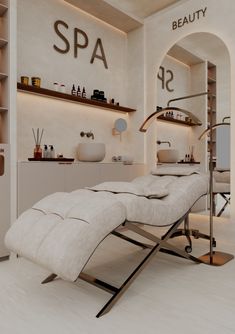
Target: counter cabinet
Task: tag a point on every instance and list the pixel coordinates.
(39, 179)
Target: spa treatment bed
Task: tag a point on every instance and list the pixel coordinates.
(62, 231)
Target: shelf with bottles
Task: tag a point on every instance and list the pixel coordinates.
(3, 25)
(71, 98)
(211, 110)
(211, 69)
(176, 121)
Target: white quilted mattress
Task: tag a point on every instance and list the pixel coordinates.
(62, 230)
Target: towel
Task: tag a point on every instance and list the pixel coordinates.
(154, 191)
(175, 170)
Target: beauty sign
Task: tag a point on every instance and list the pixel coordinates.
(189, 19)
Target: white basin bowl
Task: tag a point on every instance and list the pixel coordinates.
(93, 152)
(168, 155)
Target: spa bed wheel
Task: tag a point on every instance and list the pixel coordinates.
(188, 249)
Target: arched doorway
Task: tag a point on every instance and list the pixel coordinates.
(199, 62)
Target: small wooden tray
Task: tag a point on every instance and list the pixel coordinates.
(53, 159)
(188, 162)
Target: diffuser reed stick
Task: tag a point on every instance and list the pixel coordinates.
(37, 135)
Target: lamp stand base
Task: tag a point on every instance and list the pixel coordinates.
(217, 258)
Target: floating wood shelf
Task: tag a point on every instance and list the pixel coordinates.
(3, 76)
(53, 159)
(189, 162)
(71, 98)
(211, 80)
(213, 110)
(176, 121)
(3, 9)
(3, 42)
(3, 109)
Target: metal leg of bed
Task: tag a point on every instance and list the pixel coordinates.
(188, 233)
(171, 249)
(133, 241)
(50, 278)
(227, 201)
(160, 244)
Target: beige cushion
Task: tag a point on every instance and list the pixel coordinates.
(175, 170)
(223, 177)
(220, 187)
(157, 190)
(62, 230)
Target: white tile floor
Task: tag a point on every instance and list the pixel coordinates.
(171, 295)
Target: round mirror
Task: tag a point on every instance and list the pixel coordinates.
(120, 125)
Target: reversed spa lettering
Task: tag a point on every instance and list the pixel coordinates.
(190, 18)
(80, 41)
(166, 77)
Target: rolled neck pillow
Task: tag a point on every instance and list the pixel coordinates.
(156, 191)
(175, 171)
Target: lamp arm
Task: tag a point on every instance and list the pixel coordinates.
(162, 111)
(227, 117)
(213, 127)
(188, 97)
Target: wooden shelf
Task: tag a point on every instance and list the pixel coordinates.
(3, 109)
(189, 162)
(3, 9)
(213, 110)
(212, 95)
(71, 98)
(211, 80)
(3, 76)
(176, 121)
(3, 42)
(52, 159)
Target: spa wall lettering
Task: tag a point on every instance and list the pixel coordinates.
(166, 77)
(80, 41)
(188, 19)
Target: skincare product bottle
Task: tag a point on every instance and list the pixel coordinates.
(83, 92)
(45, 151)
(52, 151)
(56, 86)
(191, 159)
(62, 88)
(79, 91)
(73, 91)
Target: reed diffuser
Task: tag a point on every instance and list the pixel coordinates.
(37, 135)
